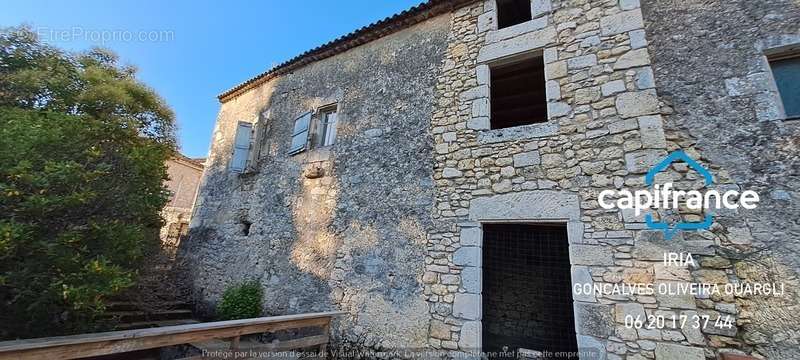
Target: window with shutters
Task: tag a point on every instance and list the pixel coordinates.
(786, 71)
(327, 122)
(241, 147)
(300, 133)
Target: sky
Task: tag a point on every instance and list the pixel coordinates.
(191, 51)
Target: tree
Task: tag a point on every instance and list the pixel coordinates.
(82, 151)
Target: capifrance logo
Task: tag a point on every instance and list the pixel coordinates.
(667, 197)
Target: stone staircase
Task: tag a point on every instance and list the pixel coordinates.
(156, 300)
(129, 315)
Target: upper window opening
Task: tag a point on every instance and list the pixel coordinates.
(518, 93)
(786, 72)
(327, 121)
(512, 12)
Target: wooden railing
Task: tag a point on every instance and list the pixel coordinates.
(209, 333)
(729, 356)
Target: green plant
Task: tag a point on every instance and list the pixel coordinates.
(82, 152)
(241, 301)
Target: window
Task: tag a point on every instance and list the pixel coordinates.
(241, 147)
(315, 129)
(300, 133)
(518, 93)
(327, 126)
(512, 12)
(786, 72)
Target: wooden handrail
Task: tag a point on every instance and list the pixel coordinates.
(114, 342)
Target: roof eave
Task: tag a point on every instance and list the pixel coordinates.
(376, 30)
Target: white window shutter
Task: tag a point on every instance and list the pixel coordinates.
(300, 133)
(241, 147)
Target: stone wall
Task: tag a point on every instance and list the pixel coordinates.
(605, 130)
(387, 224)
(341, 228)
(183, 183)
(710, 67)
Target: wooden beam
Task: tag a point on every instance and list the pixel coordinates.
(235, 343)
(729, 356)
(285, 345)
(86, 345)
(323, 347)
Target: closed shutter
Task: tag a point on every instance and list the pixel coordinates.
(241, 147)
(300, 133)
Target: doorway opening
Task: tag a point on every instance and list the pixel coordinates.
(527, 295)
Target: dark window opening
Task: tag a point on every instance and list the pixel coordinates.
(518, 94)
(527, 290)
(245, 227)
(512, 12)
(786, 72)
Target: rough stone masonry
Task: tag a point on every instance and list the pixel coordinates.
(386, 224)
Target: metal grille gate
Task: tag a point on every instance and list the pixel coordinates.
(527, 295)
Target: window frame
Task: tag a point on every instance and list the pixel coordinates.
(497, 8)
(324, 124)
(535, 55)
(793, 54)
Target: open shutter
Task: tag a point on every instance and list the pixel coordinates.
(257, 144)
(241, 147)
(300, 133)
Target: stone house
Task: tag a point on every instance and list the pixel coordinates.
(183, 183)
(436, 176)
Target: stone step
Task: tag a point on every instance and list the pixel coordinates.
(123, 305)
(138, 315)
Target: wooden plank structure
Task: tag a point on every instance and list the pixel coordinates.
(729, 356)
(116, 342)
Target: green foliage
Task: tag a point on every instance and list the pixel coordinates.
(241, 301)
(82, 154)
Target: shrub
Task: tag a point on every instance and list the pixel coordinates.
(82, 152)
(241, 301)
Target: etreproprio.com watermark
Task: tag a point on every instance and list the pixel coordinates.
(102, 36)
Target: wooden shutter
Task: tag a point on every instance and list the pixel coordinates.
(241, 147)
(259, 137)
(300, 133)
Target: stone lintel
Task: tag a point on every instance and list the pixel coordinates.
(526, 205)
